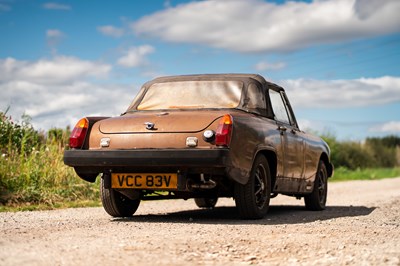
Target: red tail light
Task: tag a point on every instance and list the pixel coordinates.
(224, 131)
(78, 135)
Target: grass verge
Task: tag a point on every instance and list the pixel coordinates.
(344, 174)
(39, 180)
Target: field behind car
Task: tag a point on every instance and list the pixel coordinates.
(33, 175)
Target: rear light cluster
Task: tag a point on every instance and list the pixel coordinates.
(224, 131)
(78, 135)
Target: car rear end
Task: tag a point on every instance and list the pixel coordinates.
(175, 145)
(175, 137)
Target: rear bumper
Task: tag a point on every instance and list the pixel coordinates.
(146, 158)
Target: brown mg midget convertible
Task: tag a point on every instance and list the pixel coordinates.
(202, 137)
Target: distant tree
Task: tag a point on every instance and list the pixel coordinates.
(388, 141)
(353, 156)
(384, 150)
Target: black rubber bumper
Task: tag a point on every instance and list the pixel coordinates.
(148, 157)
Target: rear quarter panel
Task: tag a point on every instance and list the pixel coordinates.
(251, 134)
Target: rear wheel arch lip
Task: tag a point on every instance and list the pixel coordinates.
(242, 175)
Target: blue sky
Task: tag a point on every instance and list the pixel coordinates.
(337, 59)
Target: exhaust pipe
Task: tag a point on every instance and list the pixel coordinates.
(204, 184)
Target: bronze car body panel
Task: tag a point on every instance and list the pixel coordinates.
(164, 122)
(170, 131)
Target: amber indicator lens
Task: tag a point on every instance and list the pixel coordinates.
(78, 135)
(224, 131)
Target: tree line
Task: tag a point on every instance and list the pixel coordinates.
(374, 152)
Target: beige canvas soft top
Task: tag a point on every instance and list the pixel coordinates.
(242, 91)
(200, 94)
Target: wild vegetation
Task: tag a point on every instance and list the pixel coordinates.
(32, 172)
(33, 175)
(373, 153)
(372, 159)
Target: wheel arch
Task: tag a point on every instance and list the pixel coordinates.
(329, 167)
(272, 162)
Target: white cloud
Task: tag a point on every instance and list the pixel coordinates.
(257, 26)
(53, 33)
(389, 127)
(111, 31)
(136, 56)
(60, 69)
(54, 37)
(56, 6)
(262, 66)
(57, 92)
(59, 105)
(309, 93)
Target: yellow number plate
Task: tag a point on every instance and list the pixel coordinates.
(144, 181)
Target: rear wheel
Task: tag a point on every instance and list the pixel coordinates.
(316, 201)
(206, 202)
(116, 204)
(252, 199)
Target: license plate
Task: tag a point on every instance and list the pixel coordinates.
(144, 181)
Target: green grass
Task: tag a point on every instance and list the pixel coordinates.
(344, 174)
(40, 180)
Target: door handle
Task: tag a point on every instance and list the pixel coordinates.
(282, 129)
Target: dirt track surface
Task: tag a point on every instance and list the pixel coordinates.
(361, 226)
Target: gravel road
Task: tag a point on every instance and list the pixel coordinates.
(361, 226)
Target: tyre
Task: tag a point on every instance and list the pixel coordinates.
(252, 199)
(116, 204)
(206, 202)
(316, 200)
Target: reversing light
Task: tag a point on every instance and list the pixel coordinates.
(224, 131)
(78, 135)
(209, 135)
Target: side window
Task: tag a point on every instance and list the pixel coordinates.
(255, 100)
(278, 106)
